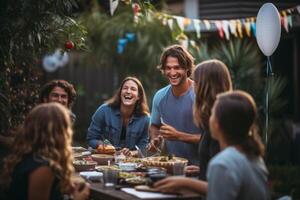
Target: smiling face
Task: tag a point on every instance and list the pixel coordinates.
(58, 95)
(174, 72)
(129, 93)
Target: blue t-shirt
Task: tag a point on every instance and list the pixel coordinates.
(177, 112)
(231, 175)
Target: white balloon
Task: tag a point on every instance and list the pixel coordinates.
(268, 28)
(50, 63)
(64, 59)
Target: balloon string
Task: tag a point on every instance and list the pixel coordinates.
(268, 85)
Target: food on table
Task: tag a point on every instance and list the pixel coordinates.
(156, 170)
(78, 149)
(83, 154)
(127, 166)
(138, 180)
(125, 175)
(163, 161)
(102, 159)
(119, 157)
(77, 155)
(105, 167)
(132, 160)
(142, 174)
(106, 149)
(82, 165)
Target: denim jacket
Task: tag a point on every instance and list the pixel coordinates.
(107, 124)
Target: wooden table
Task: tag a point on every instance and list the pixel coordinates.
(99, 192)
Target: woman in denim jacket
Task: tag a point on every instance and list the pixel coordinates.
(123, 120)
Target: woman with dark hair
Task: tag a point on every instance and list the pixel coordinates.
(40, 165)
(238, 171)
(123, 120)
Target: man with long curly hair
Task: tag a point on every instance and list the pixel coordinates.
(60, 91)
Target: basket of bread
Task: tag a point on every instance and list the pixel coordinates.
(83, 165)
(106, 149)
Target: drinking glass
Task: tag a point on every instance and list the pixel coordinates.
(110, 177)
(178, 168)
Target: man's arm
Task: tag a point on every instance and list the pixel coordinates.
(171, 133)
(154, 131)
(155, 138)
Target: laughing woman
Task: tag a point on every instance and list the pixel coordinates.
(123, 120)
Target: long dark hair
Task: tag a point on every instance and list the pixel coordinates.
(211, 78)
(236, 113)
(141, 107)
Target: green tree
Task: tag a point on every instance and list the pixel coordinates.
(30, 29)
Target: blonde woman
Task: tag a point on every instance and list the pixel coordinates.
(40, 165)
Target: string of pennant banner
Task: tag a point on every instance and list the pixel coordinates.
(236, 27)
(243, 27)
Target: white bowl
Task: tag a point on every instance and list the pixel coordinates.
(127, 166)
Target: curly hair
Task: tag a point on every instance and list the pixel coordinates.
(68, 87)
(211, 78)
(185, 59)
(141, 107)
(46, 133)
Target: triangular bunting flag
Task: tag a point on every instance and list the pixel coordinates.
(289, 19)
(220, 29)
(253, 27)
(113, 4)
(186, 22)
(284, 21)
(298, 9)
(170, 23)
(197, 27)
(207, 24)
(180, 22)
(239, 28)
(232, 27)
(248, 28)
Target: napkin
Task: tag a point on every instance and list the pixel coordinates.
(147, 195)
(91, 175)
